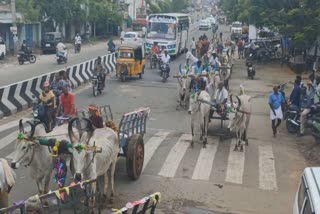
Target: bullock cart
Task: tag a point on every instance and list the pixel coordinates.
(130, 130)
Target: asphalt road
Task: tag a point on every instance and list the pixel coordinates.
(13, 72)
(263, 179)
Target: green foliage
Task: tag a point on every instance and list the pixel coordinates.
(297, 19)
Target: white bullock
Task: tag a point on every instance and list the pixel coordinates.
(7, 181)
(31, 154)
(200, 113)
(90, 165)
(183, 86)
(240, 121)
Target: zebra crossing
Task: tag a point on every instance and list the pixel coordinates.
(168, 154)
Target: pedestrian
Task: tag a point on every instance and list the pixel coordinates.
(193, 47)
(221, 36)
(311, 90)
(305, 108)
(240, 48)
(199, 47)
(276, 100)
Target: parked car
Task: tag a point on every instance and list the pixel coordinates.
(2, 48)
(132, 37)
(307, 200)
(50, 41)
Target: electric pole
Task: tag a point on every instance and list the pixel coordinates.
(14, 25)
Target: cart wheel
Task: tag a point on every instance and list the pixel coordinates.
(135, 156)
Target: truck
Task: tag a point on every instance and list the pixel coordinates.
(236, 30)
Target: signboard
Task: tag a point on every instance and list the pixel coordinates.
(14, 30)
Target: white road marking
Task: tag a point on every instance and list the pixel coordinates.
(7, 140)
(235, 167)
(267, 172)
(175, 156)
(11, 124)
(152, 145)
(204, 164)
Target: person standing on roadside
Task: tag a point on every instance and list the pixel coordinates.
(305, 108)
(276, 101)
(193, 47)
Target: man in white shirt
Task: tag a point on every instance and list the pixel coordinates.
(77, 39)
(61, 48)
(221, 98)
(193, 47)
(191, 59)
(165, 57)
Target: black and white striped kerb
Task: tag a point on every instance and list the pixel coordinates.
(18, 96)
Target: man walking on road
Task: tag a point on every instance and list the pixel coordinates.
(193, 47)
(276, 101)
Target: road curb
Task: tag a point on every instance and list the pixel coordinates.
(17, 97)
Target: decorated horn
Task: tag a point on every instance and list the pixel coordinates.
(33, 128)
(70, 131)
(21, 129)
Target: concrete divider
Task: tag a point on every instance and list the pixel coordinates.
(18, 96)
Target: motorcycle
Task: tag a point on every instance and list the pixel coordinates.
(61, 58)
(153, 61)
(250, 68)
(112, 49)
(97, 84)
(77, 48)
(26, 56)
(165, 69)
(293, 119)
(314, 123)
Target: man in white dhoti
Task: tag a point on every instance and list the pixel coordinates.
(276, 100)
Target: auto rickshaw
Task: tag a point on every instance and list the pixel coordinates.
(131, 61)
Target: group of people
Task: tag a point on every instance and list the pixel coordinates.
(57, 98)
(301, 99)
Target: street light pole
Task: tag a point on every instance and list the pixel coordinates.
(14, 24)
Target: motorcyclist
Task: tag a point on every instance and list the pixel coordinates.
(155, 49)
(95, 117)
(165, 59)
(100, 70)
(61, 48)
(24, 49)
(67, 103)
(55, 86)
(77, 41)
(48, 98)
(111, 46)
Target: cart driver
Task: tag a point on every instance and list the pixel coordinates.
(220, 99)
(95, 117)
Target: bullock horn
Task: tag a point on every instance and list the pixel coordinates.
(70, 131)
(180, 71)
(89, 128)
(33, 128)
(239, 102)
(21, 129)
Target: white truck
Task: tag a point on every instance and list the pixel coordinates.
(236, 27)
